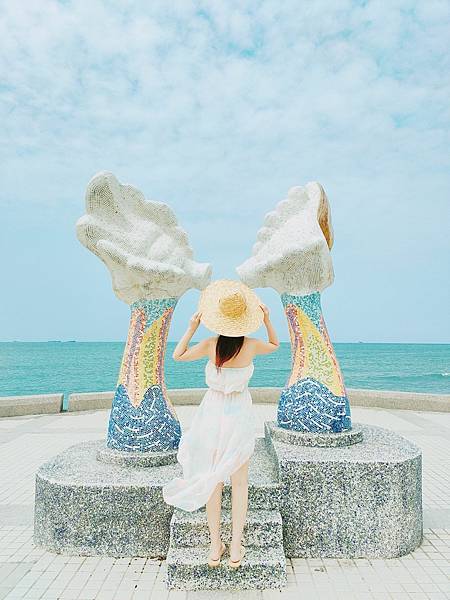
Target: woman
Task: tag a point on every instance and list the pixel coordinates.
(221, 439)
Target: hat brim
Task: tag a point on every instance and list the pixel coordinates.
(216, 321)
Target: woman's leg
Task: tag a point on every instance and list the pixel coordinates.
(239, 503)
(213, 507)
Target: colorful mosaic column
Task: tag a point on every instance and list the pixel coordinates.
(314, 398)
(142, 416)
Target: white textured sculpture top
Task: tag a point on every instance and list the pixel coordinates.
(292, 251)
(140, 241)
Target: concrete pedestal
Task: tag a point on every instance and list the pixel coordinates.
(88, 506)
(351, 500)
(352, 494)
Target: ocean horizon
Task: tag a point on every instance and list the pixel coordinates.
(71, 366)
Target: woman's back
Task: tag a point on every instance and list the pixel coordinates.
(228, 379)
(251, 347)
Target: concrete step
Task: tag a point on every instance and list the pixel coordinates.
(263, 528)
(264, 564)
(261, 568)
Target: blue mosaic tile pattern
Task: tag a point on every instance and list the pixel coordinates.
(309, 304)
(150, 427)
(154, 308)
(308, 405)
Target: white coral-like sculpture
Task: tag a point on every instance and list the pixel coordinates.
(140, 241)
(292, 251)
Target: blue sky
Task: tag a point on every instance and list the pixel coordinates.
(218, 108)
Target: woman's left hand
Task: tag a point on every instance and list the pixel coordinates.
(195, 320)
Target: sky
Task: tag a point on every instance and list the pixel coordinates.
(218, 108)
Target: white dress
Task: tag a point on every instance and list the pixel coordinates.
(220, 439)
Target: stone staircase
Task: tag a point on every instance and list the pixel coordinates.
(264, 564)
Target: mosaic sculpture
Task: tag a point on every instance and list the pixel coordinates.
(292, 255)
(151, 265)
(356, 493)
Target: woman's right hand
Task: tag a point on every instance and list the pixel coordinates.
(265, 311)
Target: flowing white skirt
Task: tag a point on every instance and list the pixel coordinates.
(220, 440)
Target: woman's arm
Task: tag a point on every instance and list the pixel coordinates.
(182, 352)
(273, 344)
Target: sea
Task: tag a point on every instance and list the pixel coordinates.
(71, 366)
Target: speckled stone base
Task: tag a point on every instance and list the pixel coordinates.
(261, 568)
(89, 507)
(311, 438)
(264, 528)
(85, 506)
(136, 459)
(362, 500)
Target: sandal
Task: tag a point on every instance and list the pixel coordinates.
(214, 562)
(234, 564)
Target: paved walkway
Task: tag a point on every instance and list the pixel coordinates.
(31, 573)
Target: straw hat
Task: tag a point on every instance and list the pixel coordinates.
(230, 308)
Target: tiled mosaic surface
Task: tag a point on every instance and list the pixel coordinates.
(292, 248)
(151, 265)
(142, 416)
(31, 573)
(140, 241)
(314, 398)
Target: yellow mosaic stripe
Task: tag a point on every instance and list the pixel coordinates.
(298, 358)
(126, 355)
(148, 357)
(318, 361)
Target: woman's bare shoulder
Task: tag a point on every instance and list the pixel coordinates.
(260, 346)
(250, 343)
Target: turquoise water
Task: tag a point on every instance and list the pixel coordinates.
(50, 367)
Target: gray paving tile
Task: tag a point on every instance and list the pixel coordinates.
(35, 439)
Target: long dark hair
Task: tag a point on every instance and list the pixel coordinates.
(227, 347)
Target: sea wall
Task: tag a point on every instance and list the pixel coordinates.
(185, 396)
(270, 395)
(12, 406)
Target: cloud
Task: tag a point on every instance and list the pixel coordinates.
(222, 106)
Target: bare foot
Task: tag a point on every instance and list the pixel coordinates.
(216, 549)
(235, 552)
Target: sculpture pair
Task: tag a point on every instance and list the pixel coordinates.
(152, 265)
